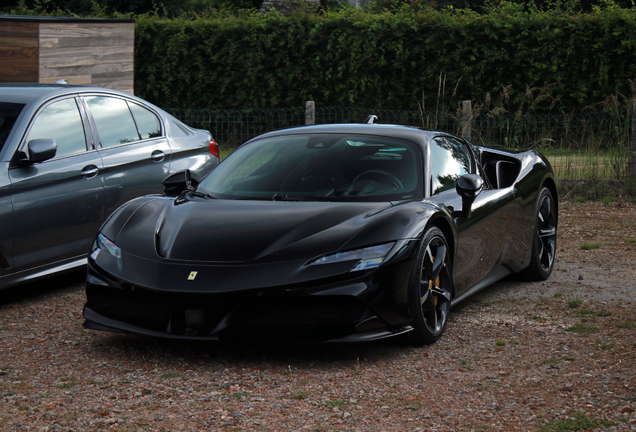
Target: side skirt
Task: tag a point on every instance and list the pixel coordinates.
(496, 274)
(32, 274)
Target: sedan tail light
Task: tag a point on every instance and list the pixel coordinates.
(214, 148)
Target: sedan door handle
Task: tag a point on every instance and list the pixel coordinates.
(89, 171)
(157, 156)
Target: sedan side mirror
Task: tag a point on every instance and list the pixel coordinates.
(39, 151)
(469, 187)
(176, 183)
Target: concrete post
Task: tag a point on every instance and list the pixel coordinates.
(467, 116)
(310, 113)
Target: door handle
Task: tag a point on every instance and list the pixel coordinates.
(157, 156)
(89, 171)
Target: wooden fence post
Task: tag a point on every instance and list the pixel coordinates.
(631, 172)
(310, 113)
(467, 116)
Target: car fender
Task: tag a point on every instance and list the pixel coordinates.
(118, 219)
(405, 221)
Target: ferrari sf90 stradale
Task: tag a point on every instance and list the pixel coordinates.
(325, 233)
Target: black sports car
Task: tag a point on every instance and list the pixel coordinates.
(335, 232)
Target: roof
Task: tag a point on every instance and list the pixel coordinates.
(33, 92)
(398, 131)
(23, 93)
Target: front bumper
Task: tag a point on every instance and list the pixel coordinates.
(372, 306)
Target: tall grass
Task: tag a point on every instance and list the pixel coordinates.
(592, 165)
(593, 145)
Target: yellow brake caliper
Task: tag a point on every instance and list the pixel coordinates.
(430, 285)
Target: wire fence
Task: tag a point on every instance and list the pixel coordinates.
(590, 145)
(231, 128)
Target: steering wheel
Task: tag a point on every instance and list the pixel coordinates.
(394, 180)
(360, 186)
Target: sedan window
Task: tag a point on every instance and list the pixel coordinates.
(147, 123)
(113, 119)
(62, 122)
(9, 112)
(449, 161)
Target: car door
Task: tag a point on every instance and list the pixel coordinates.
(133, 147)
(57, 203)
(9, 113)
(483, 235)
(6, 221)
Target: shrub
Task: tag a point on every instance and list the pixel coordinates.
(356, 58)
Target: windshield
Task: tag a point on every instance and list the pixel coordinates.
(9, 112)
(330, 167)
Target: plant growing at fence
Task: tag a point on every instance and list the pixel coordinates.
(444, 114)
(514, 128)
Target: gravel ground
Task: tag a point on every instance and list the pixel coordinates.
(516, 357)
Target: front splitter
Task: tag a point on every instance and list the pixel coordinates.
(96, 321)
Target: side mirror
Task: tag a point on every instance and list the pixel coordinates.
(469, 187)
(176, 183)
(39, 151)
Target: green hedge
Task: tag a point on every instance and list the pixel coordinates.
(386, 60)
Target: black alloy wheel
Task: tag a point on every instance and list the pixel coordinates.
(431, 288)
(544, 243)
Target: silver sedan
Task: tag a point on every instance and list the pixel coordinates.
(69, 156)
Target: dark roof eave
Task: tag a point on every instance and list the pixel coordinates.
(75, 20)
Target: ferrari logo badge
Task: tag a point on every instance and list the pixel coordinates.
(192, 275)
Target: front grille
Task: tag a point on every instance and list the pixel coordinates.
(313, 310)
(122, 304)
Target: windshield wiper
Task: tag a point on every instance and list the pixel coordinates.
(200, 194)
(284, 197)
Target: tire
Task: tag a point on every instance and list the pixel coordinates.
(430, 290)
(544, 242)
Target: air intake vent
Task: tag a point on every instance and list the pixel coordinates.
(303, 311)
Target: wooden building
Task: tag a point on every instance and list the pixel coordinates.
(86, 51)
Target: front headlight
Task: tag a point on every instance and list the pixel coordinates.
(102, 243)
(368, 258)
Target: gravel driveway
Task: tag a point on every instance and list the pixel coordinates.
(558, 355)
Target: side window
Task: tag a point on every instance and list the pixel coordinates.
(9, 112)
(62, 122)
(449, 161)
(113, 119)
(147, 122)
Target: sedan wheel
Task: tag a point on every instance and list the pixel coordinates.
(544, 243)
(431, 288)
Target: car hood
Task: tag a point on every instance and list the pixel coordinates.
(236, 231)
